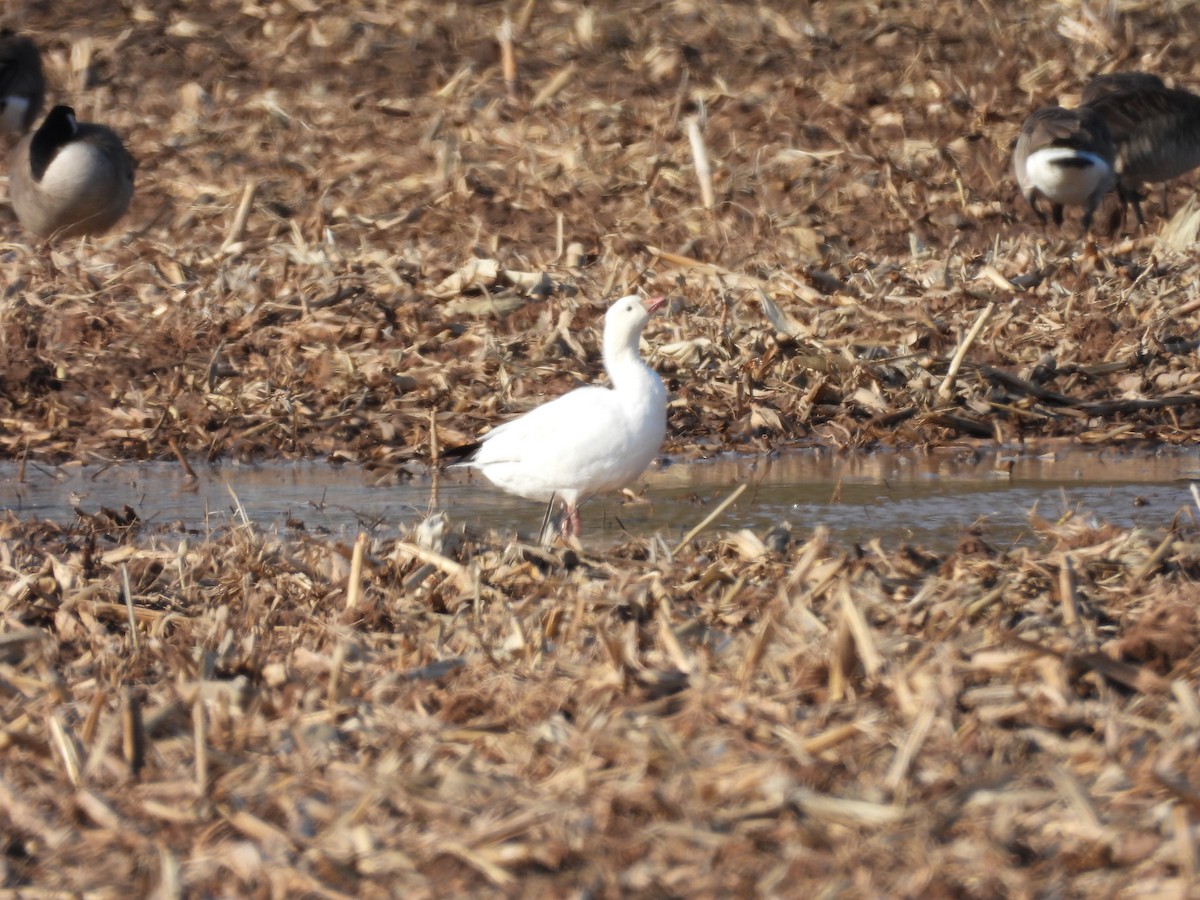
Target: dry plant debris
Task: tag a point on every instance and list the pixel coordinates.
(358, 223)
(268, 716)
(347, 219)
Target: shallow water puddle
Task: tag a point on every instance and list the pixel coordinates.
(898, 497)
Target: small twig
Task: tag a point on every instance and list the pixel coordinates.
(1189, 703)
(1011, 382)
(1140, 678)
(700, 160)
(854, 813)
(354, 586)
(912, 744)
(1077, 797)
(435, 451)
(238, 229)
(545, 535)
(127, 596)
(66, 749)
(1160, 553)
(860, 631)
(215, 367)
(455, 570)
(1112, 407)
(835, 736)
(525, 15)
(552, 87)
(237, 505)
(680, 97)
(1067, 596)
(711, 517)
(763, 635)
(200, 746)
(960, 354)
(187, 468)
(508, 57)
(1185, 843)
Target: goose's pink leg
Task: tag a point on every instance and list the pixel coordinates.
(570, 522)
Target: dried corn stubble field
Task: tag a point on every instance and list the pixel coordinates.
(344, 222)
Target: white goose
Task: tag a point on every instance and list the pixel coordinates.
(590, 440)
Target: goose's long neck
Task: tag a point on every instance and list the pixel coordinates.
(644, 397)
(623, 362)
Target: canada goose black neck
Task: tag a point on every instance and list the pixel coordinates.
(56, 132)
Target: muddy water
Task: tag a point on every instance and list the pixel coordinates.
(916, 498)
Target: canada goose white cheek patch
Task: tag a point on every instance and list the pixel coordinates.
(1067, 176)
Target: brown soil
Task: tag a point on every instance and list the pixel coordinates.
(348, 230)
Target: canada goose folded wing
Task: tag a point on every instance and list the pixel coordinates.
(1157, 131)
(1119, 83)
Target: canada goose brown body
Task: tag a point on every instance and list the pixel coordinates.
(1156, 129)
(22, 85)
(70, 178)
(1066, 156)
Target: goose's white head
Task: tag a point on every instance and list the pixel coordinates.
(625, 319)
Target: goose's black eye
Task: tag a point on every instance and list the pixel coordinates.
(629, 309)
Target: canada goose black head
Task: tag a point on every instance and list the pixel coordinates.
(70, 178)
(1156, 130)
(22, 85)
(1066, 156)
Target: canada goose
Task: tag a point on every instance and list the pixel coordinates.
(1156, 130)
(70, 178)
(22, 87)
(1067, 156)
